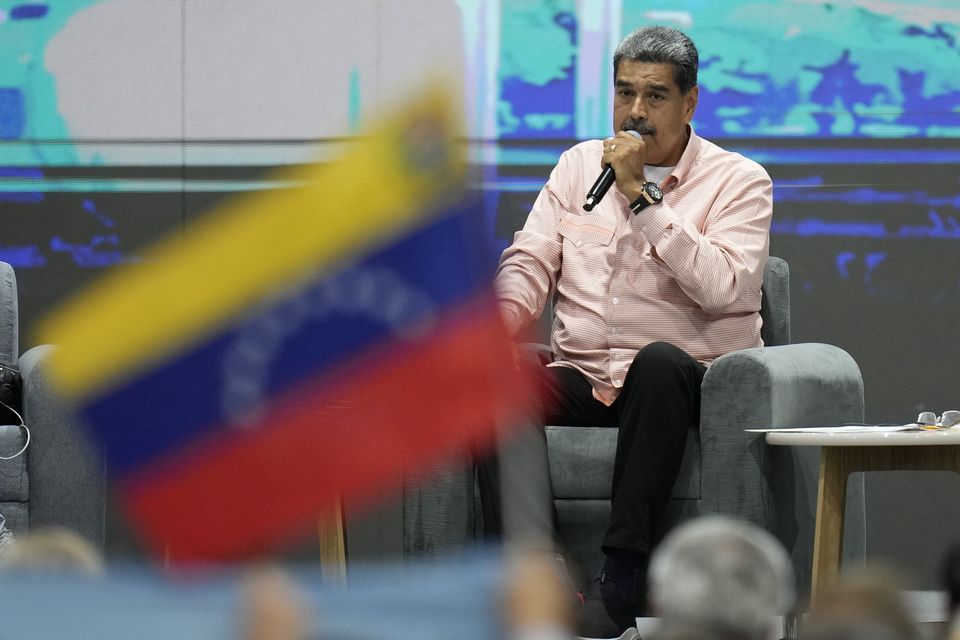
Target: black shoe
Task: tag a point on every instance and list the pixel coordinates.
(608, 608)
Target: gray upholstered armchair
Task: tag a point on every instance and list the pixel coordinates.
(56, 481)
(725, 469)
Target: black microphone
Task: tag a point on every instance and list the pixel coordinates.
(604, 181)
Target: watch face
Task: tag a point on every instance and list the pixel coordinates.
(654, 191)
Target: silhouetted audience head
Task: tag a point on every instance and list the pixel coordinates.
(715, 577)
(864, 604)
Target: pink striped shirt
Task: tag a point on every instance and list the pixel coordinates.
(687, 271)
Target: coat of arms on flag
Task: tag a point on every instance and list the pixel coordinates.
(294, 346)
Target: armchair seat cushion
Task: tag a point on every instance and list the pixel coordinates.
(580, 466)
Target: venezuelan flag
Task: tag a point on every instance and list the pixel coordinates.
(293, 347)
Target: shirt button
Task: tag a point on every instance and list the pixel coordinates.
(643, 228)
(618, 381)
(579, 243)
(616, 301)
(613, 330)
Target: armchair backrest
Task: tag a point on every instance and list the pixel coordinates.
(9, 325)
(775, 303)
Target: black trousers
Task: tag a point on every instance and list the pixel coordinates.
(659, 402)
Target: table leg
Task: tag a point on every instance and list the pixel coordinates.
(828, 535)
(836, 465)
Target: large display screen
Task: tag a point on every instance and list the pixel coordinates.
(120, 120)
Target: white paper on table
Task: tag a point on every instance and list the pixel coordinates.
(859, 428)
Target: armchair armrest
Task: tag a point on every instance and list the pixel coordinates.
(67, 483)
(785, 386)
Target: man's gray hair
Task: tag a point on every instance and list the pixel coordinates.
(721, 575)
(661, 45)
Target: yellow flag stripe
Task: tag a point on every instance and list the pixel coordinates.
(190, 284)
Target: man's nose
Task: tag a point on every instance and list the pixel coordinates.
(638, 109)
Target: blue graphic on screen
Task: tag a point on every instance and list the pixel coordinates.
(29, 11)
(12, 115)
(537, 101)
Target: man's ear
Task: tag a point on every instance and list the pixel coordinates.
(690, 103)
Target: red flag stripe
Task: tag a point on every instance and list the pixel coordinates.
(345, 434)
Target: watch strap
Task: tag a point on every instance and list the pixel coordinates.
(644, 201)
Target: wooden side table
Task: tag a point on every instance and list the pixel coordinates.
(843, 453)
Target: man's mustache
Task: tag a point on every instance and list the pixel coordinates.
(639, 126)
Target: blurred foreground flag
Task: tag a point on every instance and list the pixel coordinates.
(294, 346)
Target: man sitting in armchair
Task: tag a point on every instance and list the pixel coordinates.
(649, 285)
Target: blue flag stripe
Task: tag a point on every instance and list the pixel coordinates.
(232, 376)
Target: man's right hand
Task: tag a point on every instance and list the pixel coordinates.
(626, 153)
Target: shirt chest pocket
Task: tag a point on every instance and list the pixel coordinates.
(584, 230)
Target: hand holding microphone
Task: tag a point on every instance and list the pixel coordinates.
(622, 146)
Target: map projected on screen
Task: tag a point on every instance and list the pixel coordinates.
(811, 69)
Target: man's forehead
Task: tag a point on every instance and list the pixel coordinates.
(639, 74)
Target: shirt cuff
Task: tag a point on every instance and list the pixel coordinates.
(656, 220)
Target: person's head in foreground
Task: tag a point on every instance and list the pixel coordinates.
(720, 578)
(865, 604)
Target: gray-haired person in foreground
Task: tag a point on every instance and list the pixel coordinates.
(718, 578)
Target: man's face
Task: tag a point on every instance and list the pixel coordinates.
(648, 100)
